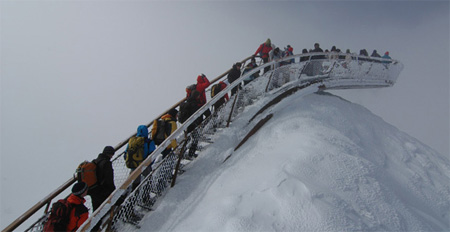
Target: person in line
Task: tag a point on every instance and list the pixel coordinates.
(341, 55)
(334, 54)
(386, 56)
(233, 75)
(288, 51)
(170, 120)
(375, 54)
(317, 49)
(105, 178)
(187, 109)
(348, 59)
(304, 58)
(146, 145)
(170, 126)
(316, 66)
(263, 52)
(364, 53)
(248, 68)
(275, 54)
(202, 84)
(138, 149)
(79, 213)
(216, 90)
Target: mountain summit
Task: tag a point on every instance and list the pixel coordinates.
(320, 163)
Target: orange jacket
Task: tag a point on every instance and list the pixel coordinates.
(79, 213)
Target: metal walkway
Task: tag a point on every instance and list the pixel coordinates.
(125, 206)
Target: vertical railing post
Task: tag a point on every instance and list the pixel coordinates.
(232, 107)
(180, 157)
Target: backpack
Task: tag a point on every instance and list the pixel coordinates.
(59, 217)
(189, 89)
(186, 110)
(135, 152)
(87, 172)
(215, 89)
(163, 129)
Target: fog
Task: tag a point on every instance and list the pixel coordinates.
(76, 76)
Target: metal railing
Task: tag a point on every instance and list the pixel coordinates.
(125, 206)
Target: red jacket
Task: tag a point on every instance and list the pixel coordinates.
(202, 84)
(264, 49)
(79, 213)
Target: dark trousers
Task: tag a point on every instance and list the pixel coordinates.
(266, 60)
(98, 197)
(144, 174)
(166, 152)
(193, 148)
(234, 90)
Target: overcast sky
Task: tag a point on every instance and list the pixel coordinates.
(79, 75)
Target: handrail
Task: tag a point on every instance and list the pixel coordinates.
(39, 205)
(107, 205)
(124, 142)
(47, 200)
(114, 196)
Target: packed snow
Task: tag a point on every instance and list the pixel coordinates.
(320, 163)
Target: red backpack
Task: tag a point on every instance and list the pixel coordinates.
(59, 217)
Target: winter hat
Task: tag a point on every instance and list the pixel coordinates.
(173, 112)
(387, 53)
(108, 150)
(268, 42)
(238, 64)
(79, 188)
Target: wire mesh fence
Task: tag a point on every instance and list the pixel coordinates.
(140, 196)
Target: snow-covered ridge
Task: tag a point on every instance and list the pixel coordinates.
(312, 74)
(357, 73)
(320, 163)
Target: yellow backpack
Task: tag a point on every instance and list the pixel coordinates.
(135, 152)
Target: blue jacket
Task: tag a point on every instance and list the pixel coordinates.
(149, 146)
(386, 57)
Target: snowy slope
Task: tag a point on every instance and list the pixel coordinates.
(320, 163)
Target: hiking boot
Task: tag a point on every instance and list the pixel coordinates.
(148, 204)
(134, 219)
